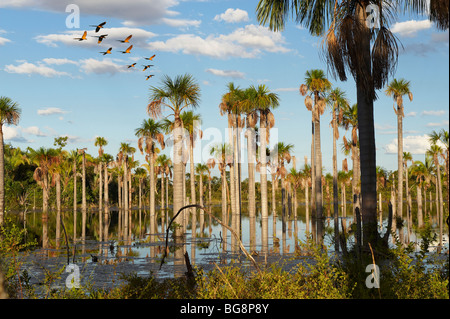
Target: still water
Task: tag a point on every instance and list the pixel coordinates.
(115, 244)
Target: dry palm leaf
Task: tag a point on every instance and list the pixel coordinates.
(140, 140)
(355, 136)
(160, 139)
(345, 143)
(303, 89)
(252, 119)
(308, 103)
(345, 165)
(321, 106)
(154, 108)
(410, 95)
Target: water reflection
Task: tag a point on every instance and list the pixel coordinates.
(135, 236)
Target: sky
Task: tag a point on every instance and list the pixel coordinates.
(66, 87)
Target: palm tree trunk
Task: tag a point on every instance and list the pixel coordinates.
(313, 169)
(100, 185)
(441, 204)
(74, 169)
(125, 198)
(263, 169)
(45, 196)
(58, 209)
(178, 179)
(335, 186)
(400, 162)
(152, 185)
(83, 199)
(419, 206)
(106, 198)
(2, 177)
(192, 171)
(251, 172)
(163, 193)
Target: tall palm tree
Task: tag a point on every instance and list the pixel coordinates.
(350, 120)
(318, 85)
(82, 152)
(443, 137)
(231, 105)
(350, 46)
(407, 157)
(100, 142)
(283, 153)
(9, 115)
(191, 123)
(264, 101)
(435, 151)
(176, 94)
(222, 155)
(125, 151)
(397, 89)
(150, 133)
(337, 101)
(74, 159)
(43, 158)
(419, 171)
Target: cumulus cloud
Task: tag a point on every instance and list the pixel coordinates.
(51, 111)
(247, 42)
(136, 12)
(55, 61)
(4, 40)
(433, 113)
(34, 130)
(410, 28)
(417, 144)
(232, 16)
(30, 68)
(140, 37)
(105, 66)
(13, 134)
(227, 73)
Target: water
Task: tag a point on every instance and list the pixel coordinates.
(108, 251)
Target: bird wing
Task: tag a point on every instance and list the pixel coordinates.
(129, 49)
(128, 38)
(102, 24)
(84, 35)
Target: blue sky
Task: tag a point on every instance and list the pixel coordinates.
(67, 88)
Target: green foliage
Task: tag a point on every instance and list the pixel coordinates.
(12, 241)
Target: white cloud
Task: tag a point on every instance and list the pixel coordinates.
(227, 73)
(440, 124)
(105, 66)
(247, 42)
(286, 90)
(415, 144)
(33, 130)
(232, 16)
(140, 37)
(54, 61)
(4, 41)
(12, 134)
(51, 111)
(433, 113)
(181, 23)
(139, 12)
(30, 68)
(410, 28)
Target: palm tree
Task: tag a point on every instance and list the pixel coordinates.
(407, 157)
(43, 158)
(149, 133)
(222, 155)
(337, 100)
(318, 85)
(443, 137)
(176, 94)
(191, 123)
(74, 158)
(283, 154)
(350, 45)
(263, 101)
(231, 105)
(397, 89)
(83, 192)
(100, 142)
(10, 115)
(419, 171)
(350, 119)
(435, 152)
(124, 151)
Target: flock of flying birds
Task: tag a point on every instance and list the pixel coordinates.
(126, 40)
